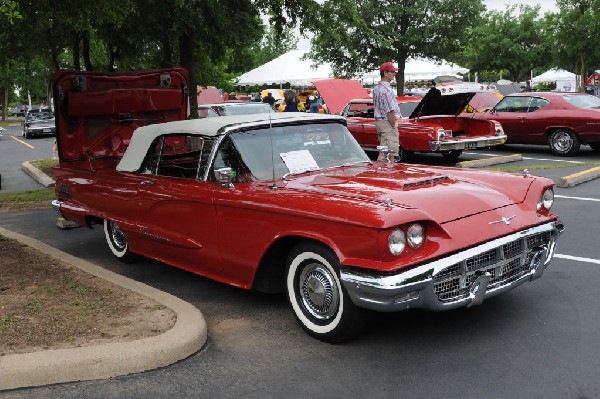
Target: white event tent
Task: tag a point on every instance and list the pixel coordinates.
(420, 69)
(291, 68)
(565, 80)
(287, 68)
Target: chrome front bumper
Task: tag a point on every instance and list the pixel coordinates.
(467, 144)
(462, 279)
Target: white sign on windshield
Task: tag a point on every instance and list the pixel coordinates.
(299, 161)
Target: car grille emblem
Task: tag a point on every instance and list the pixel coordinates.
(504, 220)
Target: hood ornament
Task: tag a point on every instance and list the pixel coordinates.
(504, 220)
(387, 203)
(526, 173)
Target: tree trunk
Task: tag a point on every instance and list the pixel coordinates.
(86, 52)
(582, 73)
(4, 103)
(76, 52)
(186, 57)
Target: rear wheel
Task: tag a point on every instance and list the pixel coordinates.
(317, 296)
(564, 142)
(117, 242)
(452, 155)
(404, 155)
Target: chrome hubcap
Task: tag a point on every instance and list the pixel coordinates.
(319, 291)
(562, 142)
(117, 236)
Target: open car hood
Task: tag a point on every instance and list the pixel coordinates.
(436, 103)
(338, 92)
(97, 112)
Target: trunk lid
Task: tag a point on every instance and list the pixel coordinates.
(96, 113)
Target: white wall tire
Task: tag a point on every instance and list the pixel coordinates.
(317, 296)
(117, 243)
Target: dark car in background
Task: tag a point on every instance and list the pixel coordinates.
(563, 121)
(39, 123)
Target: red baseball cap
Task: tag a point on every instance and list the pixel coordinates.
(387, 66)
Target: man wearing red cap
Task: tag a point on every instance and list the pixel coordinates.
(387, 111)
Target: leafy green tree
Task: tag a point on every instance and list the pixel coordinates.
(577, 32)
(9, 11)
(356, 36)
(508, 40)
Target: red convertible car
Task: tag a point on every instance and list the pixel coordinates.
(563, 121)
(432, 123)
(289, 202)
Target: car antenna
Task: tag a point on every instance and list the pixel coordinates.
(274, 185)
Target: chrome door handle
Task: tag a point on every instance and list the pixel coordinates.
(150, 182)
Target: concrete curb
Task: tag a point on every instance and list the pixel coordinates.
(187, 336)
(579, 177)
(478, 163)
(37, 174)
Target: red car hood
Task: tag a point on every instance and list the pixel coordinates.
(443, 197)
(338, 92)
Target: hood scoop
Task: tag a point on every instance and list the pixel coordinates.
(424, 183)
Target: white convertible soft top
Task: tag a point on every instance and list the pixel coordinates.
(144, 136)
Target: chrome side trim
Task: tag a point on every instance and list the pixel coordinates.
(414, 288)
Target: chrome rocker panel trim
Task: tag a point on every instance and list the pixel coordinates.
(414, 288)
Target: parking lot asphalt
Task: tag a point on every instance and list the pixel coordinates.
(554, 173)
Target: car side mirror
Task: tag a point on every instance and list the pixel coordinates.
(225, 176)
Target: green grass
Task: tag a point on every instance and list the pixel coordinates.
(26, 199)
(543, 167)
(45, 165)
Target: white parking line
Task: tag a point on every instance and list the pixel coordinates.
(577, 258)
(535, 159)
(578, 198)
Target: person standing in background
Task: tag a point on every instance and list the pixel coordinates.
(387, 111)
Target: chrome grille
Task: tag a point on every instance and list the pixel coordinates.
(504, 264)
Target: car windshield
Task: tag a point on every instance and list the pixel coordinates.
(296, 149)
(40, 115)
(244, 109)
(584, 101)
(407, 108)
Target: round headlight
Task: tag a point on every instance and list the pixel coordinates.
(415, 235)
(397, 242)
(547, 199)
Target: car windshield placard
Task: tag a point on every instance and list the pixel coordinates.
(299, 161)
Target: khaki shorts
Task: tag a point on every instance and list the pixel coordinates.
(388, 135)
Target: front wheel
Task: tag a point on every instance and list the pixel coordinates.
(117, 242)
(452, 155)
(564, 142)
(404, 155)
(318, 299)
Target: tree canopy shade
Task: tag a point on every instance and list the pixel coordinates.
(359, 35)
(577, 31)
(511, 41)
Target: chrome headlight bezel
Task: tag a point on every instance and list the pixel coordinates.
(397, 242)
(415, 235)
(546, 200)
